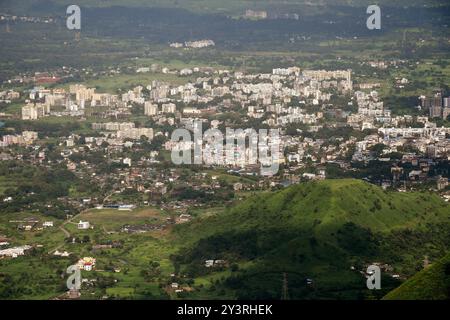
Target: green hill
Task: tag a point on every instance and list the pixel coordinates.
(432, 283)
(317, 231)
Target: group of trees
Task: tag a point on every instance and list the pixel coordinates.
(34, 188)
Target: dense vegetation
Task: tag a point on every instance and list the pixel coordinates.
(39, 190)
(317, 231)
(433, 283)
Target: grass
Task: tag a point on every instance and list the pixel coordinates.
(332, 202)
(432, 283)
(280, 225)
(315, 230)
(7, 183)
(121, 292)
(113, 219)
(135, 255)
(112, 84)
(14, 108)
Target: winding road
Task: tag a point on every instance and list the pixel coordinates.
(65, 231)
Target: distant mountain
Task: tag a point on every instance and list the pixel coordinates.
(432, 283)
(233, 7)
(327, 232)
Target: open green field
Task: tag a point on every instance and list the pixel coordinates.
(15, 108)
(121, 83)
(132, 257)
(47, 238)
(113, 219)
(7, 183)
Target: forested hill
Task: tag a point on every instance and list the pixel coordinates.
(328, 231)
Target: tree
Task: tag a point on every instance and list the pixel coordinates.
(105, 144)
(378, 149)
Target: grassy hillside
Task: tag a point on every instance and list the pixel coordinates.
(433, 283)
(316, 230)
(321, 206)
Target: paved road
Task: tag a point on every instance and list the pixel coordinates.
(108, 196)
(67, 233)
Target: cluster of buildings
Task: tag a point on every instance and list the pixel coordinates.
(124, 130)
(8, 96)
(437, 106)
(262, 15)
(215, 263)
(194, 44)
(28, 19)
(321, 117)
(113, 126)
(14, 252)
(26, 138)
(35, 111)
(287, 96)
(254, 14)
(135, 134)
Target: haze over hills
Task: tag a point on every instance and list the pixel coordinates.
(160, 22)
(115, 31)
(326, 231)
(230, 7)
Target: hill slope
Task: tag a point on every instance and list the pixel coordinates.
(433, 283)
(317, 230)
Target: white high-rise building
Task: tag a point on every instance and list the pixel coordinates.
(150, 109)
(169, 108)
(29, 112)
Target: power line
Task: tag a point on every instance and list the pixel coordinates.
(285, 295)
